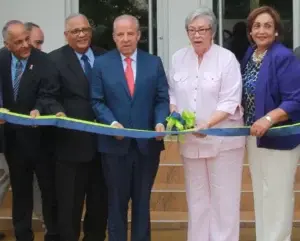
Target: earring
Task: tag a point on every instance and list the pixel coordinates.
(276, 34)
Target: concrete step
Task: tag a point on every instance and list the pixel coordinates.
(172, 197)
(159, 220)
(169, 174)
(174, 201)
(171, 153)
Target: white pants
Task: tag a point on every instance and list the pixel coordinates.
(213, 187)
(5, 183)
(273, 173)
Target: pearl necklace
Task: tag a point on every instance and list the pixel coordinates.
(257, 58)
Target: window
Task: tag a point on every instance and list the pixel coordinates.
(102, 13)
(237, 11)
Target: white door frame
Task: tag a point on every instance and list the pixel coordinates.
(296, 23)
(171, 34)
(162, 17)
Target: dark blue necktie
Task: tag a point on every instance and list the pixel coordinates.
(87, 67)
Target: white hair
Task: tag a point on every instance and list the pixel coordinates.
(128, 17)
(202, 12)
(74, 15)
(5, 29)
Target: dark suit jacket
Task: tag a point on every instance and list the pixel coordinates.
(37, 90)
(74, 146)
(112, 102)
(277, 86)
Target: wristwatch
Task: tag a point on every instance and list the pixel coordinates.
(269, 119)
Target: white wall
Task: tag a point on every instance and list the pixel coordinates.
(49, 14)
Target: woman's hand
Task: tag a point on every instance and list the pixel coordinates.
(260, 127)
(173, 108)
(201, 126)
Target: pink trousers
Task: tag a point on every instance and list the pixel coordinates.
(213, 189)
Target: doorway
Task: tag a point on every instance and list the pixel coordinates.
(232, 16)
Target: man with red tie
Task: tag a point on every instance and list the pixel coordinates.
(129, 89)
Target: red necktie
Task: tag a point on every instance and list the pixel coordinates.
(129, 76)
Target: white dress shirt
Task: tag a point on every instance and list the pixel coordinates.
(90, 55)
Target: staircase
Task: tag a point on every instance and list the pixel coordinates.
(168, 202)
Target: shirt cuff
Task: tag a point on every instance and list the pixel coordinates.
(235, 111)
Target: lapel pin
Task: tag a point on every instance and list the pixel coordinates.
(31, 66)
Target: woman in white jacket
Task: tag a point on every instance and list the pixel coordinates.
(206, 79)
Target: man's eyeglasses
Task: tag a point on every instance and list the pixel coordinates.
(77, 31)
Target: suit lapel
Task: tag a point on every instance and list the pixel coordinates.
(7, 80)
(76, 68)
(246, 58)
(139, 70)
(261, 85)
(138, 78)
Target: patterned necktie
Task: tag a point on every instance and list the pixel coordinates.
(18, 76)
(129, 76)
(87, 67)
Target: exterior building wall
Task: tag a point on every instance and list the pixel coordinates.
(171, 14)
(49, 15)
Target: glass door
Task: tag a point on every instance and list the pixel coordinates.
(232, 17)
(101, 14)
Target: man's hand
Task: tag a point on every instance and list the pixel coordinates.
(199, 127)
(34, 113)
(60, 114)
(119, 126)
(160, 128)
(4, 110)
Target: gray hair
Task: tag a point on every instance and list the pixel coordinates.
(5, 31)
(74, 15)
(202, 12)
(127, 16)
(30, 25)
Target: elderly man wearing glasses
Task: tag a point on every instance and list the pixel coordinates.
(78, 165)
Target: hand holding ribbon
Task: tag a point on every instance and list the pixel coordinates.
(2, 121)
(181, 122)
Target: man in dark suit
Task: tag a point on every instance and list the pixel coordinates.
(129, 89)
(36, 35)
(28, 84)
(78, 165)
(36, 40)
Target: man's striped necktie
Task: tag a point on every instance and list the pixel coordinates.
(18, 76)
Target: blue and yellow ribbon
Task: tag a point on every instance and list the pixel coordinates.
(97, 128)
(180, 122)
